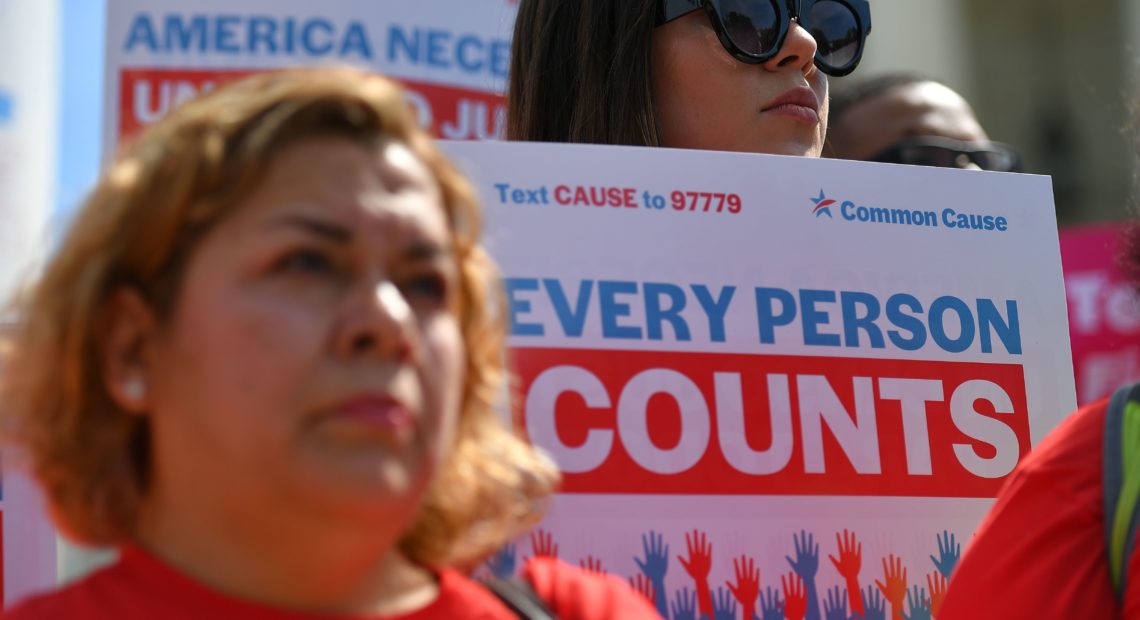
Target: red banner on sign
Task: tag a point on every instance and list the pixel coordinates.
(700, 423)
(146, 95)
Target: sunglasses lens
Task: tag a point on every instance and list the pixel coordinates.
(753, 25)
(836, 31)
(1001, 159)
(945, 153)
(933, 156)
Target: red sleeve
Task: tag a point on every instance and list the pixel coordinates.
(575, 594)
(1040, 552)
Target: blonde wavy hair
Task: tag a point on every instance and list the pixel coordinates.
(138, 229)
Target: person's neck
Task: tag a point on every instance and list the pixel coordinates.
(288, 562)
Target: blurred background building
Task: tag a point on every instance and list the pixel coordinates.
(1055, 78)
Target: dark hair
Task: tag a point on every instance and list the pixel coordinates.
(581, 71)
(847, 94)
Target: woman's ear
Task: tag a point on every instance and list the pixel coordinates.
(128, 329)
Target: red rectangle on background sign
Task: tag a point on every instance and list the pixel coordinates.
(701, 423)
(146, 95)
(1104, 316)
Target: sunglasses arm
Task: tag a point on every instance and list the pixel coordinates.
(672, 9)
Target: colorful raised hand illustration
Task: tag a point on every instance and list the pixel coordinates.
(835, 605)
(724, 606)
(654, 567)
(685, 605)
(747, 586)
(918, 603)
(795, 601)
(771, 605)
(937, 584)
(948, 553)
(806, 565)
(848, 564)
(875, 606)
(502, 564)
(895, 587)
(543, 545)
(698, 566)
(643, 586)
(593, 565)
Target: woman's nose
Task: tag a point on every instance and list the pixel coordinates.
(379, 323)
(797, 51)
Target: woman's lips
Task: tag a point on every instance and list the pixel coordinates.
(800, 113)
(382, 413)
(798, 104)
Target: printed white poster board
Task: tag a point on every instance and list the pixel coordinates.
(761, 348)
(452, 55)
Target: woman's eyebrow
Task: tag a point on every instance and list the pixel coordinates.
(426, 251)
(319, 227)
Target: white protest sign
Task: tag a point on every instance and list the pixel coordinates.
(762, 348)
(452, 55)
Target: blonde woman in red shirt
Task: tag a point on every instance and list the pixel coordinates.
(262, 363)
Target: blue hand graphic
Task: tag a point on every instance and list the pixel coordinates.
(948, 553)
(771, 607)
(724, 605)
(656, 562)
(654, 567)
(684, 605)
(918, 603)
(806, 565)
(502, 564)
(835, 607)
(807, 556)
(874, 604)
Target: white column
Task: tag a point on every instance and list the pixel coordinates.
(924, 36)
(29, 115)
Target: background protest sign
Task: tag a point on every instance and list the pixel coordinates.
(452, 56)
(770, 351)
(1104, 311)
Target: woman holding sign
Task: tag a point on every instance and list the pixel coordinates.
(262, 363)
(732, 75)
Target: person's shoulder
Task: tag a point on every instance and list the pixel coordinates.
(1044, 534)
(463, 597)
(1074, 444)
(60, 604)
(573, 593)
(81, 600)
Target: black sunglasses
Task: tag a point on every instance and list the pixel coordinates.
(753, 31)
(949, 153)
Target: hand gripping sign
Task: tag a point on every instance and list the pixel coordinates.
(735, 379)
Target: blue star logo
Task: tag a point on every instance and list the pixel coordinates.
(822, 204)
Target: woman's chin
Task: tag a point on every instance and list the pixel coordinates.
(367, 486)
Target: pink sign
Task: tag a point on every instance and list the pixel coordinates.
(1104, 313)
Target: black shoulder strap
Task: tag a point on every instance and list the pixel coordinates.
(1121, 481)
(520, 597)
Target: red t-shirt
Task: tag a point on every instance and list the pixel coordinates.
(141, 587)
(1041, 551)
